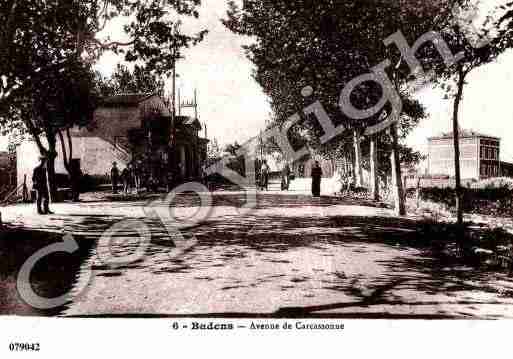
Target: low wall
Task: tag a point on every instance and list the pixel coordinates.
(329, 186)
(96, 156)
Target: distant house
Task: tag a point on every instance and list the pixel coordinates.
(7, 171)
(479, 155)
(129, 127)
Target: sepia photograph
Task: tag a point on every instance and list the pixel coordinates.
(244, 166)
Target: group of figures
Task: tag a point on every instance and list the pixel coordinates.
(132, 178)
(287, 176)
(137, 176)
(262, 177)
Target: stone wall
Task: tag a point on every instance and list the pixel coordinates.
(96, 156)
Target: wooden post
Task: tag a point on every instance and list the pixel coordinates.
(374, 179)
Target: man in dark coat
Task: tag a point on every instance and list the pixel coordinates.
(126, 176)
(316, 179)
(114, 177)
(40, 185)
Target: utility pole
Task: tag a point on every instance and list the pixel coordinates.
(173, 95)
(174, 149)
(195, 104)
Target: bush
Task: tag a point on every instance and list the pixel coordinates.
(489, 200)
(499, 182)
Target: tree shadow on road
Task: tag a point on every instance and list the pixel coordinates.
(426, 261)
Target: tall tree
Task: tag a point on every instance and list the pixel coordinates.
(72, 28)
(474, 49)
(40, 40)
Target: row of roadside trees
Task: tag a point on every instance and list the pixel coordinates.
(325, 44)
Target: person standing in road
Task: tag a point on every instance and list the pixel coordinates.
(265, 175)
(126, 176)
(40, 185)
(137, 176)
(114, 177)
(316, 179)
(285, 178)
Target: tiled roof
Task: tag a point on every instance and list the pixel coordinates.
(463, 134)
(126, 99)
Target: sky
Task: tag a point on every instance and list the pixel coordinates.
(234, 107)
(486, 107)
(230, 101)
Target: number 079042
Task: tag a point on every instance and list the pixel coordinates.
(24, 347)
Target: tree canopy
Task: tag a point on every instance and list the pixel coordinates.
(140, 80)
(48, 46)
(72, 28)
(325, 44)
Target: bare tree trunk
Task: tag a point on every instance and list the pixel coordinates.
(456, 143)
(357, 159)
(50, 165)
(34, 133)
(397, 183)
(70, 144)
(65, 158)
(374, 179)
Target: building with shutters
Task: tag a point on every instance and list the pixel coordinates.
(479, 155)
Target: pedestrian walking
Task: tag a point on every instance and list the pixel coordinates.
(40, 185)
(137, 176)
(114, 177)
(285, 178)
(126, 176)
(25, 192)
(316, 179)
(264, 171)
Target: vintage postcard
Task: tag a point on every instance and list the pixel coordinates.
(171, 169)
